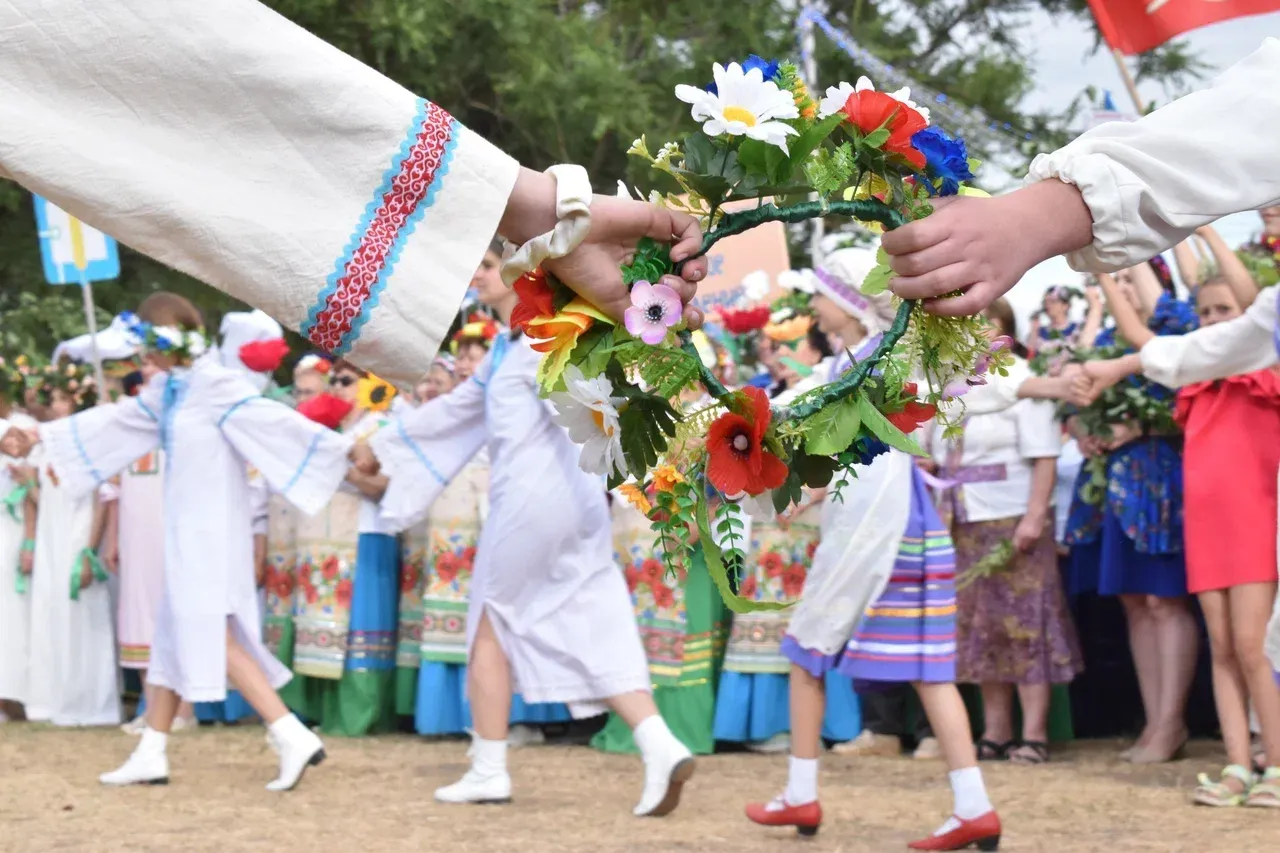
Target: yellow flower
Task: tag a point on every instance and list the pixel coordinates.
(636, 497)
(374, 395)
(557, 336)
(665, 478)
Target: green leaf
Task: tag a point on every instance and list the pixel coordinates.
(779, 165)
(592, 352)
(876, 138)
(814, 471)
(803, 145)
(646, 422)
(753, 156)
(877, 281)
(719, 573)
(699, 151)
(833, 428)
(879, 426)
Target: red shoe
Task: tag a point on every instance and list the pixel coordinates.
(806, 819)
(981, 832)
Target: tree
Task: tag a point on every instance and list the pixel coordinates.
(571, 81)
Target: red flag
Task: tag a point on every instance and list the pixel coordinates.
(1136, 26)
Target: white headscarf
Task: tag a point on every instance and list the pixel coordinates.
(247, 327)
(840, 277)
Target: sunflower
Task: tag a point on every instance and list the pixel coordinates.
(374, 394)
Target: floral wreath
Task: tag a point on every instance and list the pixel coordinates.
(867, 155)
(75, 379)
(184, 344)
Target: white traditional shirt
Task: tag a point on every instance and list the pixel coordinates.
(233, 145)
(1150, 183)
(1242, 345)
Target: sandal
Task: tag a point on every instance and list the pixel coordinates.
(1266, 793)
(1038, 753)
(989, 750)
(1221, 794)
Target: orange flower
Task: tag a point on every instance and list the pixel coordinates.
(869, 110)
(557, 336)
(665, 478)
(662, 595)
(651, 572)
(772, 563)
(537, 300)
(636, 497)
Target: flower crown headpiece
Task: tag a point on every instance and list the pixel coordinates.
(316, 363)
(184, 344)
(867, 155)
(71, 377)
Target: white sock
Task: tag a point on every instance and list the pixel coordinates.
(970, 793)
(152, 740)
(802, 781)
(652, 735)
(489, 757)
(287, 728)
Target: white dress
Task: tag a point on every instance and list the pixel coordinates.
(211, 422)
(73, 655)
(141, 526)
(14, 605)
(544, 568)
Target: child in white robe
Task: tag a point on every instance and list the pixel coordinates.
(72, 650)
(15, 603)
(211, 422)
(549, 613)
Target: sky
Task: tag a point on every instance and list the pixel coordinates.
(1063, 67)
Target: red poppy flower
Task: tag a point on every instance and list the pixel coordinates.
(537, 300)
(447, 566)
(740, 321)
(408, 577)
(329, 568)
(869, 111)
(772, 563)
(793, 580)
(264, 356)
(748, 588)
(342, 592)
(468, 558)
(311, 595)
(325, 409)
(651, 572)
(633, 578)
(737, 461)
(662, 595)
(283, 585)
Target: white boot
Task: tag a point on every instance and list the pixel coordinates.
(299, 749)
(148, 765)
(668, 764)
(487, 782)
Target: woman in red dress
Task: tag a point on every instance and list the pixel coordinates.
(1230, 463)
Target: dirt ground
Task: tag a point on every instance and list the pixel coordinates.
(375, 795)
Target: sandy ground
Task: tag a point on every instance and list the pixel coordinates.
(375, 795)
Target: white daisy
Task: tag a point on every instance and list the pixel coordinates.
(796, 280)
(589, 411)
(745, 104)
(756, 285)
(838, 96)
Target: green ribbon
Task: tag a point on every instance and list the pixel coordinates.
(20, 579)
(14, 499)
(99, 573)
(803, 370)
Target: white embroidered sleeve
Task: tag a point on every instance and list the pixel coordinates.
(230, 144)
(1238, 346)
(1150, 183)
(425, 448)
(87, 449)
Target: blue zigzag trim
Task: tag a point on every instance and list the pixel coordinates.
(397, 161)
(98, 479)
(393, 257)
(237, 404)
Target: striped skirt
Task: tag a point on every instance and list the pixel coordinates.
(909, 634)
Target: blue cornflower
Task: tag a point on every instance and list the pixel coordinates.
(768, 69)
(945, 159)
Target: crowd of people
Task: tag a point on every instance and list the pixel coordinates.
(386, 600)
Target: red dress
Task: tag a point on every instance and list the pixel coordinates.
(1230, 465)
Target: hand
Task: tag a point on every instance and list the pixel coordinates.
(22, 474)
(1084, 390)
(1122, 434)
(86, 573)
(110, 555)
(1093, 295)
(965, 245)
(1101, 375)
(1027, 534)
(26, 562)
(926, 465)
(616, 226)
(364, 460)
(1090, 446)
(1206, 232)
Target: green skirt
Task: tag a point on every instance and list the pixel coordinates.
(688, 704)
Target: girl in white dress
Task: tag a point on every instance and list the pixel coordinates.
(15, 603)
(211, 422)
(73, 664)
(549, 613)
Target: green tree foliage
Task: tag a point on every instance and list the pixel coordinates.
(571, 81)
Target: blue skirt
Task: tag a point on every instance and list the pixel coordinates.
(1081, 568)
(753, 707)
(375, 605)
(443, 709)
(1124, 570)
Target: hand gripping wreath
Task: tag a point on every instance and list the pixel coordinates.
(867, 155)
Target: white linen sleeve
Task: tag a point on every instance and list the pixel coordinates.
(425, 448)
(1226, 349)
(230, 144)
(298, 458)
(1039, 436)
(1150, 183)
(87, 449)
(259, 500)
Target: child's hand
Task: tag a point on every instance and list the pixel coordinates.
(364, 460)
(22, 474)
(26, 561)
(982, 247)
(1122, 434)
(110, 555)
(86, 572)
